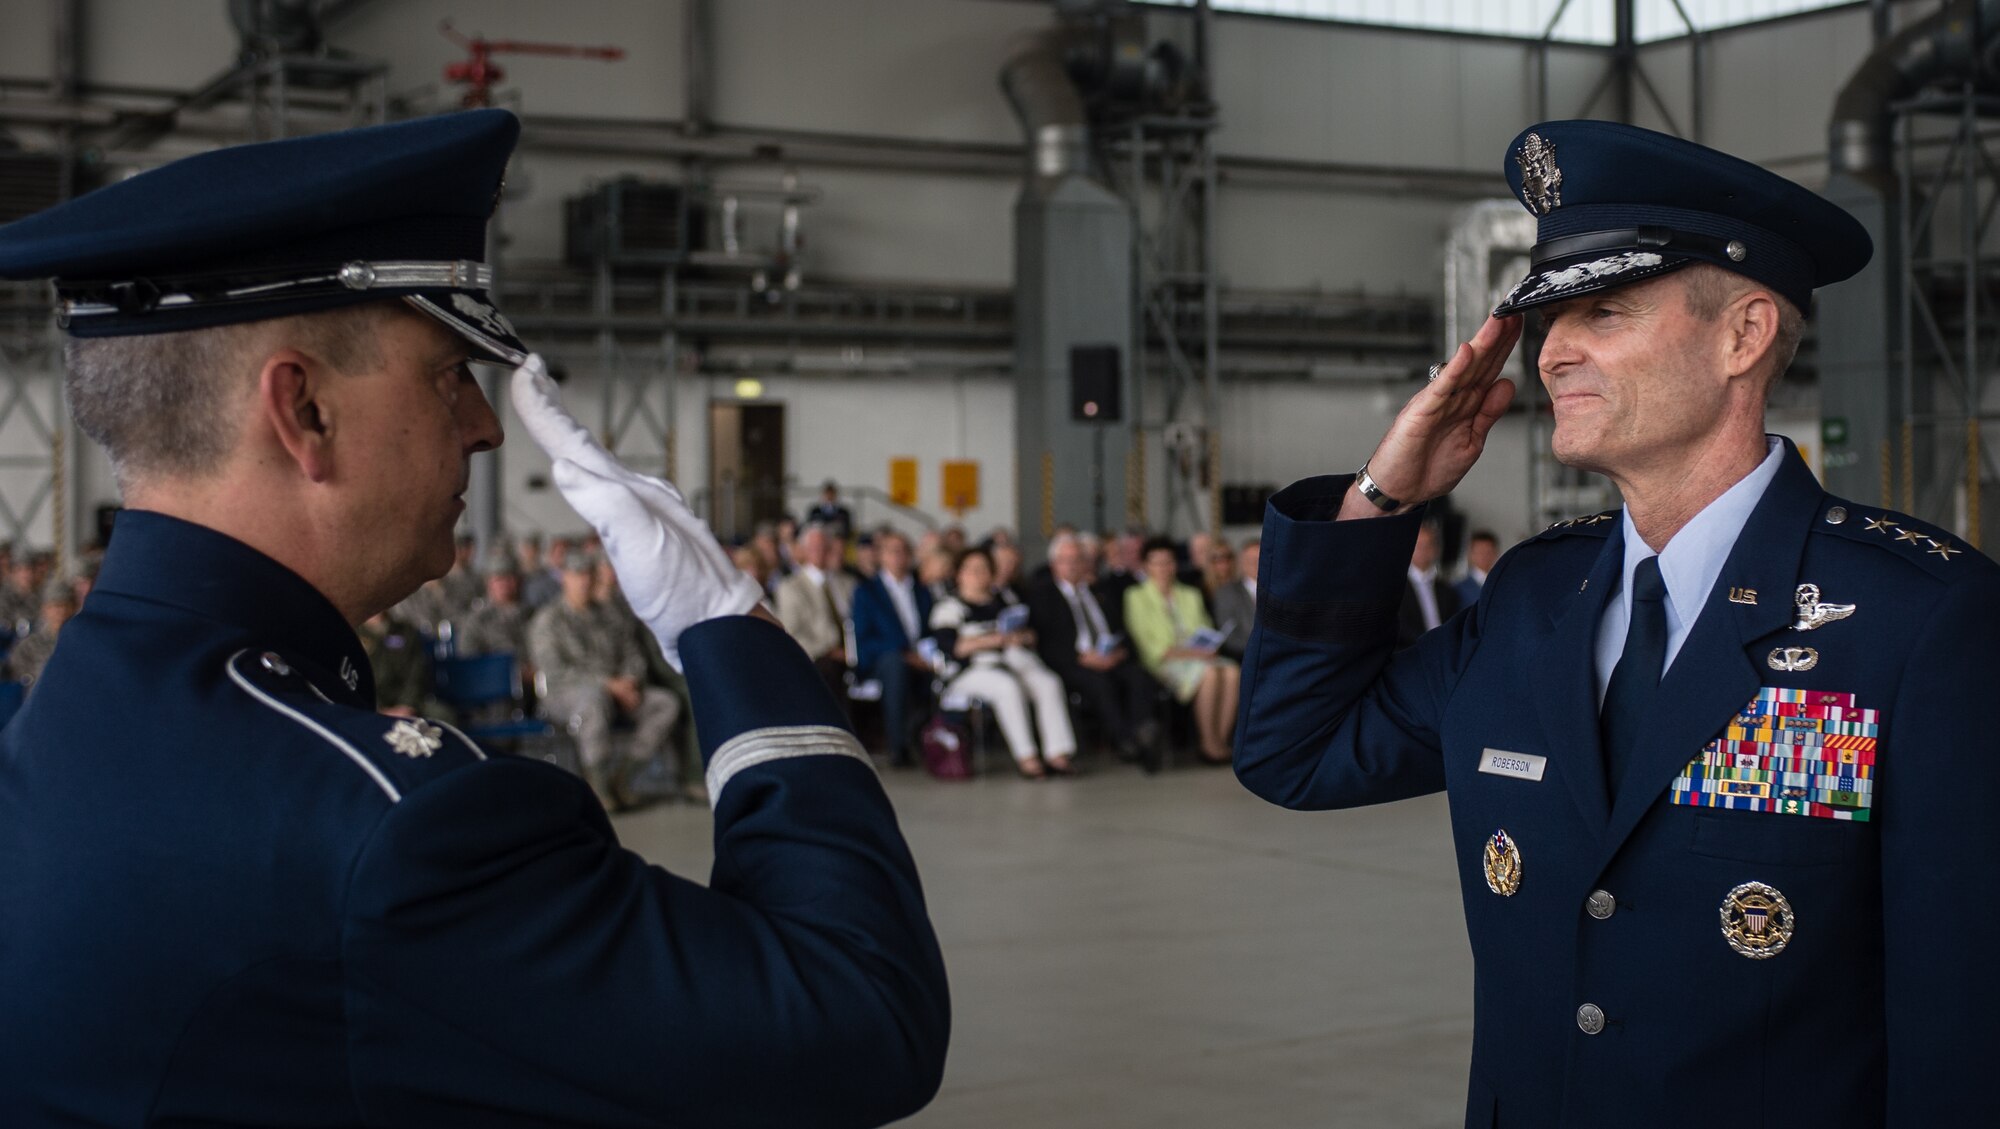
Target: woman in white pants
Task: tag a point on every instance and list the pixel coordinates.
(1000, 668)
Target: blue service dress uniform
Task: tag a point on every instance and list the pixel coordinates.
(231, 894)
(1608, 988)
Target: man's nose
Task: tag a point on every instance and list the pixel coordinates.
(478, 423)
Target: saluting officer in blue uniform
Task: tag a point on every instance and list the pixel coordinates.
(231, 893)
(1720, 767)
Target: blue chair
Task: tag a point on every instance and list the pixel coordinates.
(12, 694)
(485, 690)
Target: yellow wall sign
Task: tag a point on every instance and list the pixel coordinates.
(961, 485)
(903, 481)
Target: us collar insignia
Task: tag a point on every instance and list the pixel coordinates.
(1756, 920)
(415, 738)
(348, 675)
(1814, 615)
(1541, 180)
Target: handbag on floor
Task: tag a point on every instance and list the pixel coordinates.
(947, 748)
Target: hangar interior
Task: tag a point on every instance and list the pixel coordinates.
(833, 209)
(768, 243)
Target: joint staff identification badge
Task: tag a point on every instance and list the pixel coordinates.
(1756, 920)
(1794, 752)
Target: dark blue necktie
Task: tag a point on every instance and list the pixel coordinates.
(1635, 681)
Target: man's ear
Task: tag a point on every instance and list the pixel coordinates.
(1750, 324)
(289, 389)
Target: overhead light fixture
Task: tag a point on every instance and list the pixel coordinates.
(749, 389)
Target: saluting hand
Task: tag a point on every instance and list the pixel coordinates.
(669, 564)
(1440, 433)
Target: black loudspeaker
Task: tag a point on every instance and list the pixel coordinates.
(1093, 384)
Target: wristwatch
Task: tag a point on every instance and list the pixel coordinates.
(1373, 492)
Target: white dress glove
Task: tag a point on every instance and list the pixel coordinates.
(671, 568)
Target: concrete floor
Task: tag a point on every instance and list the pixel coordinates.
(1174, 952)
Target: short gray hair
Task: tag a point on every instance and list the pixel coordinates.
(159, 403)
(1710, 287)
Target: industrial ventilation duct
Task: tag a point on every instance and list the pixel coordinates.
(1858, 321)
(1938, 46)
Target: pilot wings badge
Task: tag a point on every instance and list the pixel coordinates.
(1814, 615)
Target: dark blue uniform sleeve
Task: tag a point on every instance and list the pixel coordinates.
(1331, 716)
(1941, 907)
(508, 963)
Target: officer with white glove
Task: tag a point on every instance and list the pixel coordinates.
(314, 914)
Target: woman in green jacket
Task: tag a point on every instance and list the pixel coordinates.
(1162, 616)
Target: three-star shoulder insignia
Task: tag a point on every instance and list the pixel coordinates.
(1899, 530)
(1575, 522)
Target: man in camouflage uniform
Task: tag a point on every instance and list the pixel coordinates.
(498, 623)
(26, 659)
(595, 672)
(402, 669)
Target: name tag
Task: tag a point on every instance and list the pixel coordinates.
(1521, 766)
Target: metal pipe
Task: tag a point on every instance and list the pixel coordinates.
(1858, 140)
(1052, 112)
(1211, 312)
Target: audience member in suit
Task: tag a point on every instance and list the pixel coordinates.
(1000, 669)
(1230, 604)
(1253, 551)
(1081, 638)
(1162, 616)
(892, 610)
(1007, 573)
(1194, 572)
(1428, 600)
(814, 604)
(837, 519)
(1482, 552)
(867, 555)
(1121, 566)
(934, 570)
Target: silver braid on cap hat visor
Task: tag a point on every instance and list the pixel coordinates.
(133, 296)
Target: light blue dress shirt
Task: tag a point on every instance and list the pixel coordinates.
(1690, 564)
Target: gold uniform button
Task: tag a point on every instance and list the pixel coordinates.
(1590, 1019)
(1601, 905)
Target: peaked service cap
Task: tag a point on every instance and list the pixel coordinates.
(285, 227)
(1618, 204)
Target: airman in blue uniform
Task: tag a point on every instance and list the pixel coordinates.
(231, 891)
(1720, 776)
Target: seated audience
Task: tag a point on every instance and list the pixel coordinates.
(1194, 573)
(891, 612)
(867, 555)
(998, 668)
(29, 654)
(539, 583)
(498, 623)
(1007, 572)
(595, 673)
(1230, 603)
(814, 604)
(1082, 639)
(934, 571)
(1482, 552)
(1428, 600)
(1163, 616)
(20, 599)
(401, 665)
(1121, 565)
